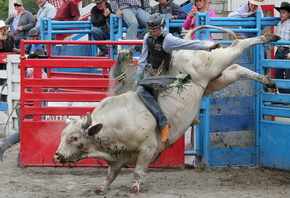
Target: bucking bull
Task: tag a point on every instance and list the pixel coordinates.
(123, 132)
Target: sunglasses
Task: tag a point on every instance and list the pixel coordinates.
(16, 5)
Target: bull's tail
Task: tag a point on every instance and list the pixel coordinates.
(191, 32)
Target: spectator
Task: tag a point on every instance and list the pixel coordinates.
(248, 10)
(69, 11)
(200, 6)
(46, 10)
(100, 18)
(6, 40)
(283, 51)
(174, 11)
(134, 13)
(20, 21)
(33, 35)
(14, 138)
(56, 3)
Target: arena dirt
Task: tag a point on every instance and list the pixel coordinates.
(60, 182)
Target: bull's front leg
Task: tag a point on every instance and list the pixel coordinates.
(143, 160)
(110, 177)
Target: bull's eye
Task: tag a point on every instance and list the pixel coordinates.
(74, 138)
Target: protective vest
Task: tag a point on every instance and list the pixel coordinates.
(157, 55)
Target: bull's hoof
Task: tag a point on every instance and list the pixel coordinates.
(98, 191)
(271, 83)
(134, 190)
(196, 122)
(272, 37)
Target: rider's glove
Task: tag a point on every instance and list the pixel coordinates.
(138, 77)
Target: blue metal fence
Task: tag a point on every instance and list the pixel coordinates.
(269, 147)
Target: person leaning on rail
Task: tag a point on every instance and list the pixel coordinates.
(248, 10)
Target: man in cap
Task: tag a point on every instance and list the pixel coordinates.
(33, 35)
(248, 10)
(100, 19)
(283, 51)
(69, 11)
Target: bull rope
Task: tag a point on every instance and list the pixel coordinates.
(123, 74)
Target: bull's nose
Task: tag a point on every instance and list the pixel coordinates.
(56, 158)
(59, 158)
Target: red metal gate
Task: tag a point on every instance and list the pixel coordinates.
(39, 136)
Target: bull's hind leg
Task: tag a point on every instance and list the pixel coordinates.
(233, 73)
(142, 163)
(113, 171)
(244, 44)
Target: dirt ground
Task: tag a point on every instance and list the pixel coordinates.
(60, 182)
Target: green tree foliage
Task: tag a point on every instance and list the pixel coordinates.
(3, 9)
(30, 5)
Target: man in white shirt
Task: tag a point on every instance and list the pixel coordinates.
(46, 10)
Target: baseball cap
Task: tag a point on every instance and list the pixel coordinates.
(33, 32)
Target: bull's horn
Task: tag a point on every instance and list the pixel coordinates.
(66, 120)
(188, 35)
(87, 123)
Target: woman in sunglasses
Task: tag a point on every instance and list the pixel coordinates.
(20, 21)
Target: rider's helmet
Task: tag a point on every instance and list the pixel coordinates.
(156, 20)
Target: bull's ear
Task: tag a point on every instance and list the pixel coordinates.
(95, 129)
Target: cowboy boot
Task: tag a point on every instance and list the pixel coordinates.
(164, 133)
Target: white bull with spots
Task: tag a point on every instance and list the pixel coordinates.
(123, 132)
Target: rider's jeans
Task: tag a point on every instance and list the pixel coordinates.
(152, 105)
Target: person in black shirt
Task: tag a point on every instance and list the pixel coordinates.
(174, 11)
(100, 18)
